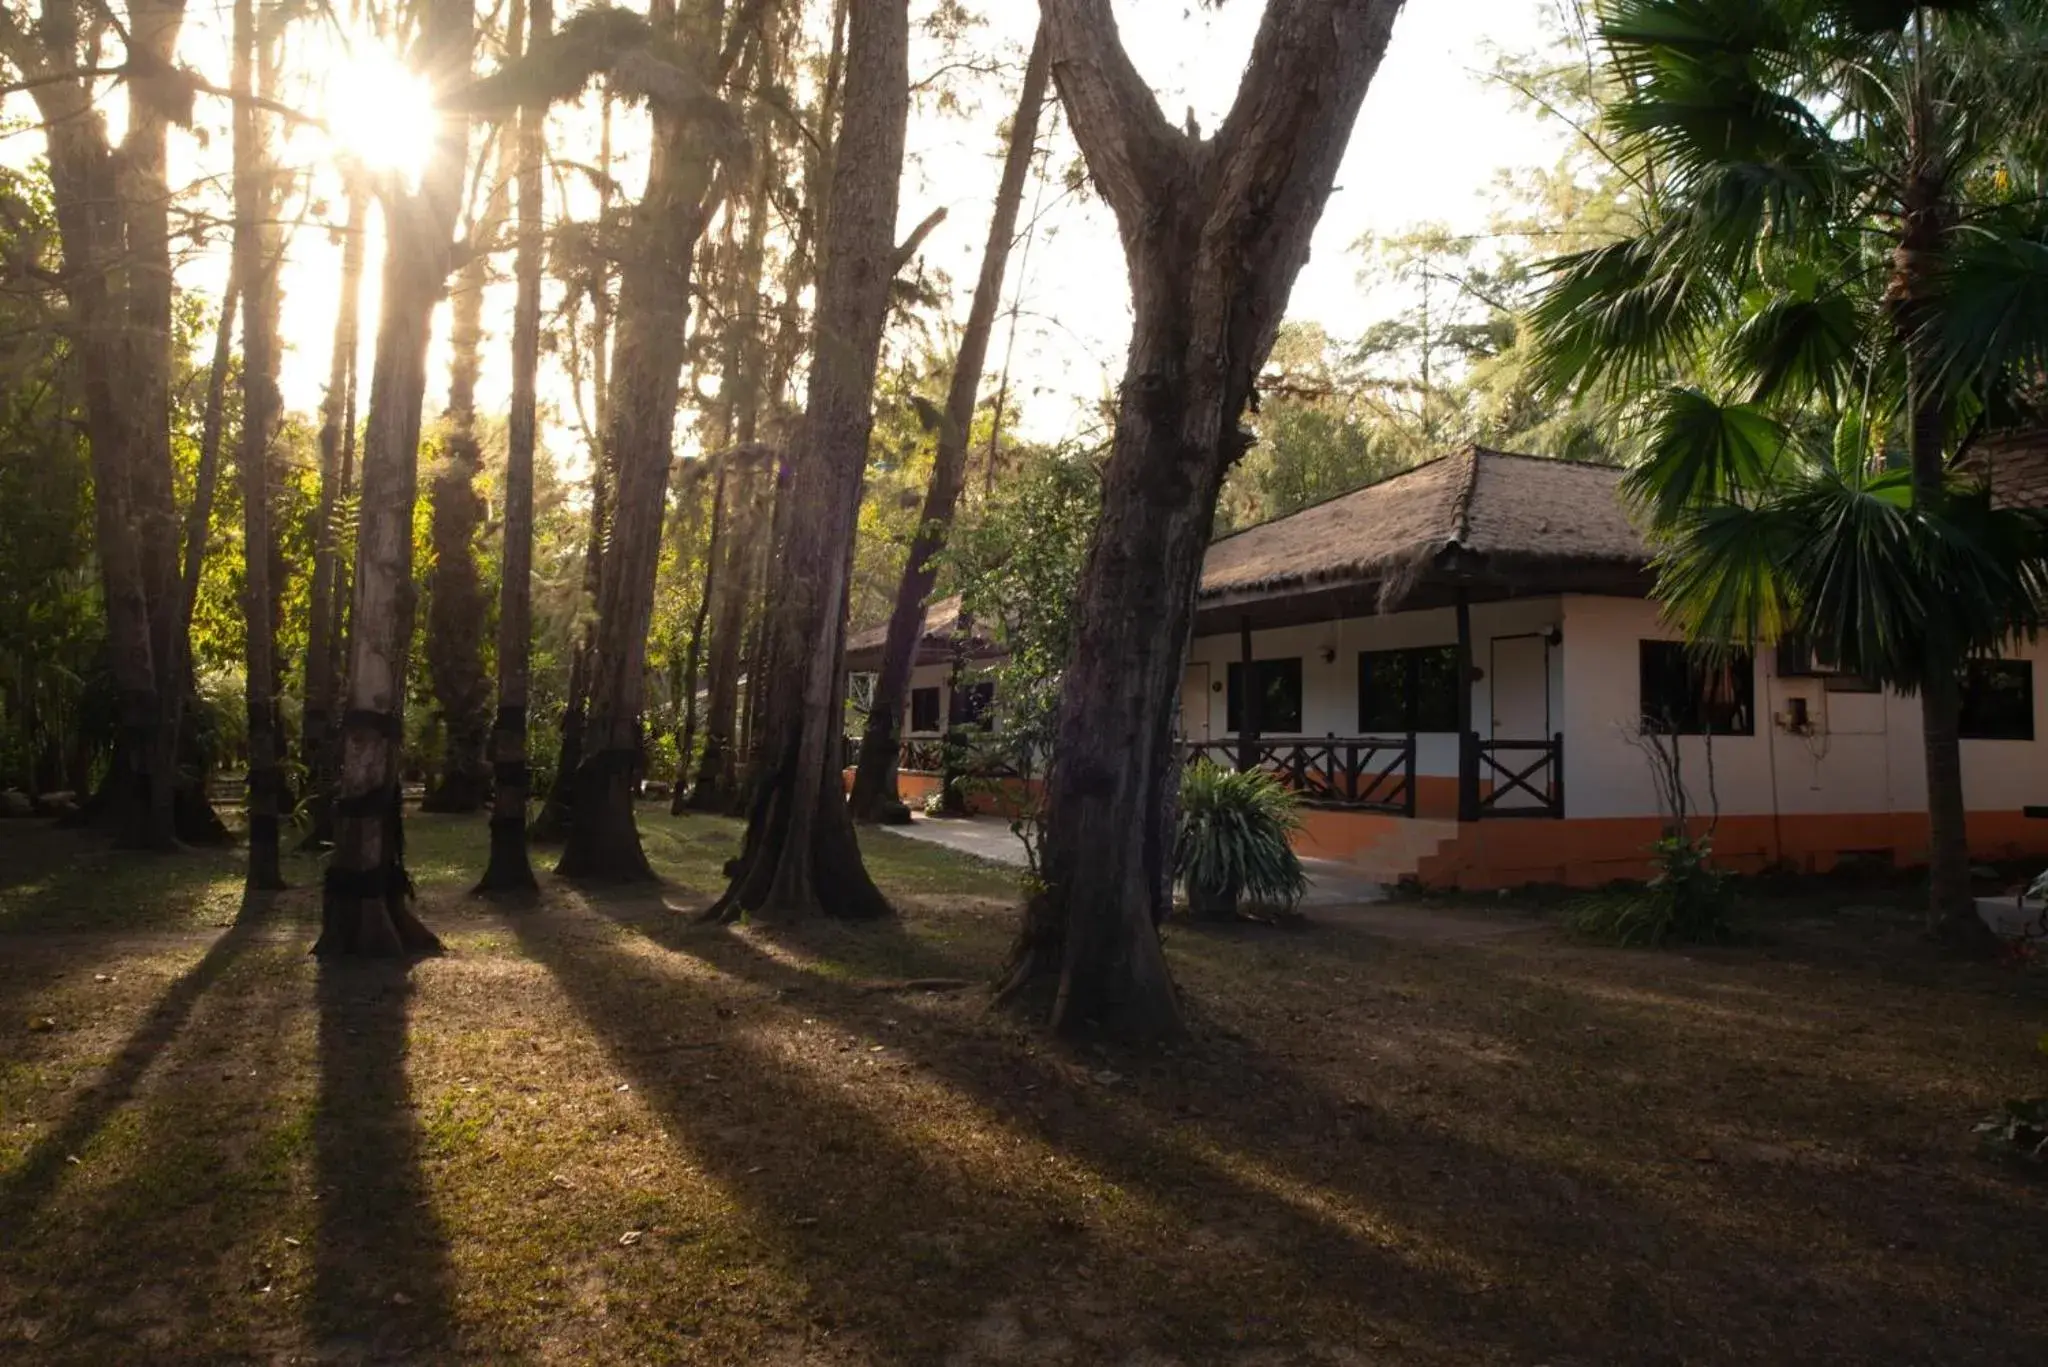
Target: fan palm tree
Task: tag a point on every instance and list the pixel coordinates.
(1839, 278)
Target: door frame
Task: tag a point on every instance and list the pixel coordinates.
(1493, 684)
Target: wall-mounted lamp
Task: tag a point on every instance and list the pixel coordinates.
(1216, 687)
(1554, 636)
(1329, 654)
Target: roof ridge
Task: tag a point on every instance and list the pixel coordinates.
(1461, 506)
(1573, 461)
(1328, 499)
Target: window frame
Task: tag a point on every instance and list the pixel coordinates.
(1411, 659)
(1742, 669)
(1289, 669)
(938, 709)
(961, 713)
(2025, 669)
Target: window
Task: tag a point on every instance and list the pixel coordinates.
(973, 704)
(924, 710)
(860, 693)
(1408, 690)
(1998, 700)
(1683, 694)
(1279, 697)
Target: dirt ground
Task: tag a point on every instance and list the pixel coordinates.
(594, 1132)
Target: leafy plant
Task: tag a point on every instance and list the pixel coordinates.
(1018, 566)
(2018, 1129)
(1687, 902)
(1233, 840)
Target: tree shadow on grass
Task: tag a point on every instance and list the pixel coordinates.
(382, 1286)
(1504, 1241)
(948, 1185)
(46, 1163)
(150, 1224)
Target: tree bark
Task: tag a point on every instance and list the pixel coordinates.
(716, 783)
(257, 254)
(112, 208)
(1214, 232)
(1927, 227)
(206, 480)
(799, 857)
(1951, 909)
(740, 396)
(365, 907)
(319, 739)
(551, 824)
(874, 779)
(686, 743)
(456, 607)
(654, 304)
(510, 869)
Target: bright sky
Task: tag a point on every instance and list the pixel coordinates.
(1432, 138)
(1433, 135)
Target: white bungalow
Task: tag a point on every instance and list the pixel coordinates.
(1357, 618)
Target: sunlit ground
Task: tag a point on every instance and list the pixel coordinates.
(594, 1132)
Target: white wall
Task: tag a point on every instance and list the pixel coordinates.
(1329, 689)
(1864, 758)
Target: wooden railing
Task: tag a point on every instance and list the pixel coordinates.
(1520, 778)
(1363, 773)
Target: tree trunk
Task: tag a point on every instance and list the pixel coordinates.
(686, 744)
(800, 857)
(257, 252)
(319, 739)
(716, 782)
(1923, 244)
(112, 208)
(551, 824)
(364, 910)
(154, 27)
(1951, 909)
(206, 479)
(456, 608)
(654, 305)
(874, 779)
(726, 587)
(510, 870)
(1214, 232)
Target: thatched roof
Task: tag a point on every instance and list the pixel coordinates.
(1487, 521)
(941, 626)
(1479, 515)
(2015, 465)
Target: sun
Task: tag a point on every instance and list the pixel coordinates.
(379, 112)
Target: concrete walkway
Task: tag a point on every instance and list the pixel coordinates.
(1330, 882)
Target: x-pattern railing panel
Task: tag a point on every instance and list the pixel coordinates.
(1526, 775)
(1370, 773)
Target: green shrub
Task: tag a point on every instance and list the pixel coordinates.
(1687, 902)
(2019, 1130)
(1233, 841)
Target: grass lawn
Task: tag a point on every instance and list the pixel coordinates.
(595, 1132)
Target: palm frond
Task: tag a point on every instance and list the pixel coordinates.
(1713, 101)
(1622, 316)
(1702, 452)
(1720, 574)
(1798, 343)
(1989, 315)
